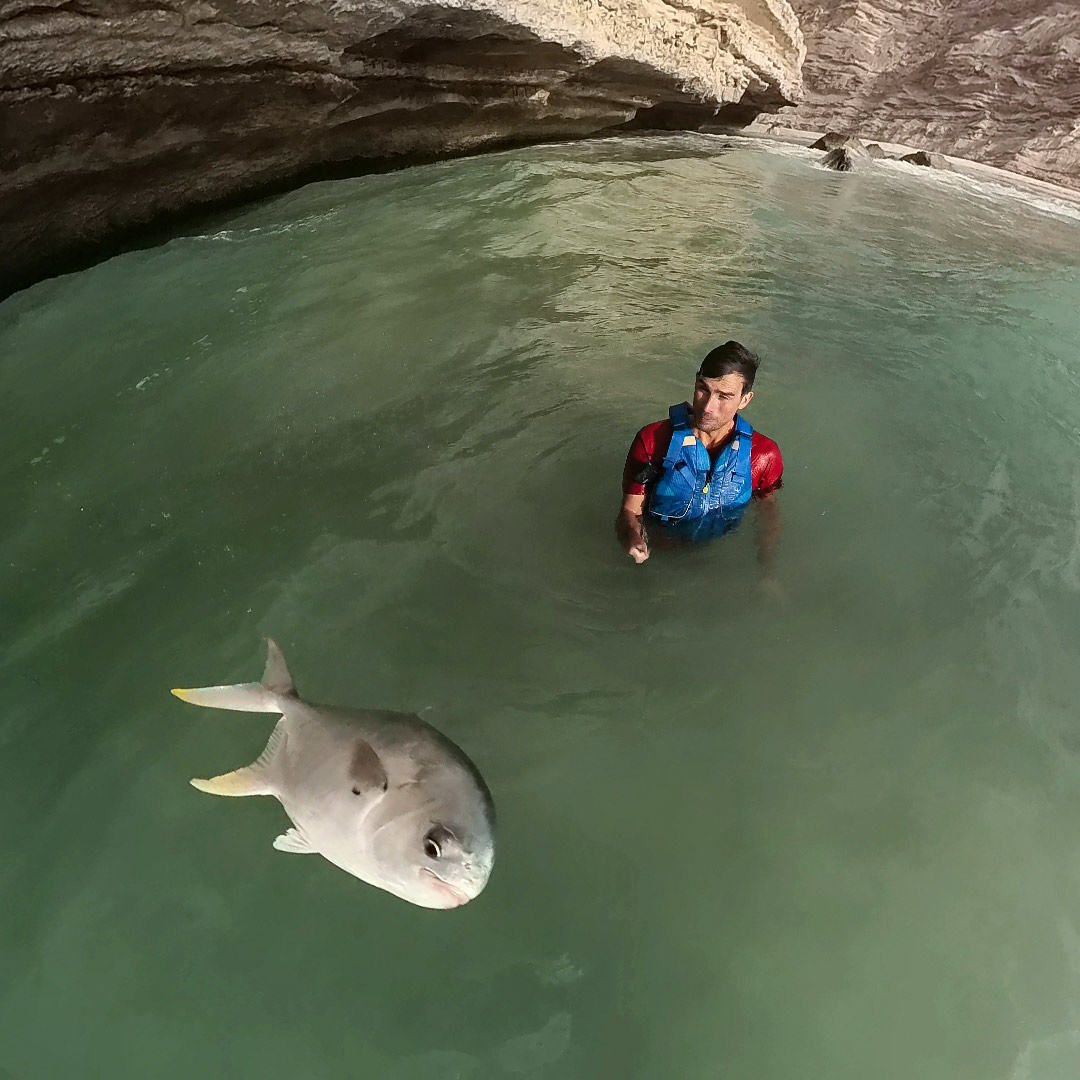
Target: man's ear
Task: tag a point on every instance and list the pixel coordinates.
(745, 400)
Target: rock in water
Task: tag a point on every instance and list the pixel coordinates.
(832, 140)
(931, 161)
(846, 158)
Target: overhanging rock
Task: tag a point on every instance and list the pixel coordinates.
(116, 113)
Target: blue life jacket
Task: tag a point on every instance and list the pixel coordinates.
(692, 489)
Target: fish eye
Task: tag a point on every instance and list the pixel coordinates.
(436, 840)
(439, 840)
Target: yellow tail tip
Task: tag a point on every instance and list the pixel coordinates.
(181, 694)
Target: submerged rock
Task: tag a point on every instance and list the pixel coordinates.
(117, 112)
(876, 152)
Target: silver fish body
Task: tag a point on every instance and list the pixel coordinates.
(382, 795)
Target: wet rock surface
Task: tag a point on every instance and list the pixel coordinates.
(995, 82)
(117, 113)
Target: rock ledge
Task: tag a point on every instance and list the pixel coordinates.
(119, 112)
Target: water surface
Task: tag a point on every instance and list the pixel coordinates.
(833, 835)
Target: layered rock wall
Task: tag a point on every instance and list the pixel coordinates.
(116, 112)
(997, 81)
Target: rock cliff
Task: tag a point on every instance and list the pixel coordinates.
(997, 81)
(114, 113)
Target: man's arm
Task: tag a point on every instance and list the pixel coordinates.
(768, 467)
(767, 531)
(630, 528)
(638, 472)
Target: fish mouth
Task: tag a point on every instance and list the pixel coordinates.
(452, 896)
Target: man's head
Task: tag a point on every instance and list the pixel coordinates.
(723, 386)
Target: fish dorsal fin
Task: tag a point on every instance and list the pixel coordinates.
(250, 780)
(366, 770)
(294, 842)
(276, 677)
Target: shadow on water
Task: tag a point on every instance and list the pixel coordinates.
(210, 216)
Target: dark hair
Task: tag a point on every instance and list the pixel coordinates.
(731, 358)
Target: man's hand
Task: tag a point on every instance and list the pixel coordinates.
(631, 528)
(638, 543)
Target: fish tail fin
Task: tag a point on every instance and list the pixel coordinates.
(243, 697)
(262, 696)
(276, 677)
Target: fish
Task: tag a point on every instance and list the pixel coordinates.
(383, 795)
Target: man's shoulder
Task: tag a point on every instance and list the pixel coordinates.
(767, 464)
(657, 425)
(656, 434)
(763, 445)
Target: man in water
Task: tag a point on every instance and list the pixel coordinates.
(693, 474)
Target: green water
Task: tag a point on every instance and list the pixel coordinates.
(831, 835)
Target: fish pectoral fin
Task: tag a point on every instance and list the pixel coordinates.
(294, 842)
(366, 769)
(249, 780)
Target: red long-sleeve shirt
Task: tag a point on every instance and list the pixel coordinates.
(650, 447)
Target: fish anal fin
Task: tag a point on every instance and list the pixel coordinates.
(294, 842)
(250, 780)
(366, 769)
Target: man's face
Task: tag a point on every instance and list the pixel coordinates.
(716, 401)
